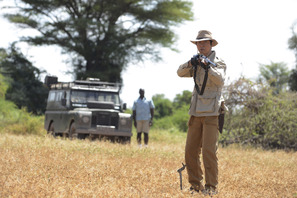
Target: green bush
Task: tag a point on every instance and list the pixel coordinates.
(178, 120)
(19, 121)
(3, 86)
(275, 126)
(261, 118)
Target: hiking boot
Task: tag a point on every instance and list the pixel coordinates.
(209, 191)
(193, 190)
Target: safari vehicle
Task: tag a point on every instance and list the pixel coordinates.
(86, 108)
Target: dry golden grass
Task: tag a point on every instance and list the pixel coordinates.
(34, 166)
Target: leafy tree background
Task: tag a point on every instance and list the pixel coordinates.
(276, 75)
(176, 119)
(24, 86)
(3, 85)
(101, 37)
(293, 46)
(182, 99)
(165, 107)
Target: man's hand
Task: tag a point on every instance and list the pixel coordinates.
(151, 122)
(195, 60)
(204, 64)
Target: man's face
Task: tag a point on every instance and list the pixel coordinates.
(141, 93)
(204, 47)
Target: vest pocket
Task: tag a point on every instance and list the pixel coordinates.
(205, 105)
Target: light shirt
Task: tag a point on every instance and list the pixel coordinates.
(210, 102)
(143, 108)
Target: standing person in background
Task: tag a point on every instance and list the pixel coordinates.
(143, 114)
(207, 104)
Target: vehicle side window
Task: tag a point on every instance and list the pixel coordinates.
(59, 96)
(67, 98)
(51, 96)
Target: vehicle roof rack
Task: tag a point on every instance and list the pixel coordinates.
(96, 83)
(89, 83)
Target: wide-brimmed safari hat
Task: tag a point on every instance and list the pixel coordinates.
(205, 35)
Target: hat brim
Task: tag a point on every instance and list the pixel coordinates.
(214, 42)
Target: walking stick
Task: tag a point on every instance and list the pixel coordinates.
(180, 175)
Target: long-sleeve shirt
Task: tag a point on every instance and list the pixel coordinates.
(209, 103)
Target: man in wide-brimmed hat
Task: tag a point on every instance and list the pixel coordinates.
(208, 72)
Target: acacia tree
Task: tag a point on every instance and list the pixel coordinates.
(103, 36)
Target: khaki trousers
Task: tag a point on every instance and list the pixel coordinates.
(202, 136)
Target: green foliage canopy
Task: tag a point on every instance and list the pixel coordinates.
(102, 36)
(293, 80)
(182, 99)
(293, 46)
(14, 120)
(174, 115)
(293, 40)
(25, 89)
(3, 85)
(276, 75)
(163, 106)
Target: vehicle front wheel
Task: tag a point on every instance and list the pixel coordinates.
(73, 134)
(125, 140)
(51, 130)
(72, 131)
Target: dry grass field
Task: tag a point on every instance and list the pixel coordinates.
(35, 166)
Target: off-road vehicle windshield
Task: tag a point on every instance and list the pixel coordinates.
(78, 96)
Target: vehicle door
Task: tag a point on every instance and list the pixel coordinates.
(65, 111)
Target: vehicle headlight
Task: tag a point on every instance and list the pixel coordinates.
(123, 121)
(85, 119)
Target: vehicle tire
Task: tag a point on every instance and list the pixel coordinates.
(73, 134)
(112, 139)
(125, 140)
(72, 131)
(51, 130)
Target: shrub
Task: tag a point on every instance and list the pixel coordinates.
(260, 118)
(19, 121)
(178, 120)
